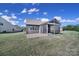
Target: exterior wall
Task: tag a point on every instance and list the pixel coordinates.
(32, 29)
(57, 29)
(7, 27)
(47, 28)
(54, 28)
(61, 30)
(40, 29)
(44, 29)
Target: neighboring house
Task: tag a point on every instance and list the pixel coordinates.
(6, 26)
(37, 26)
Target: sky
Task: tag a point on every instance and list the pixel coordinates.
(17, 13)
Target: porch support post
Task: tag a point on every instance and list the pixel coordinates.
(40, 29)
(46, 28)
(28, 29)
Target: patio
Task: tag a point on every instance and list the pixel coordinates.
(36, 35)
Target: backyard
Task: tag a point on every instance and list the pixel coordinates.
(17, 44)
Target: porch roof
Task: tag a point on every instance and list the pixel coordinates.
(39, 22)
(35, 22)
(53, 24)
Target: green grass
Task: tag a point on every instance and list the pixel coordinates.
(16, 44)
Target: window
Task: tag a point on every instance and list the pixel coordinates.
(34, 27)
(31, 28)
(1, 23)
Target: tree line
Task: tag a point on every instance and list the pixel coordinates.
(71, 27)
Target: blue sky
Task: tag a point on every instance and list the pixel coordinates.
(66, 13)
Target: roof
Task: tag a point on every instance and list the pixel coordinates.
(35, 22)
(2, 20)
(39, 22)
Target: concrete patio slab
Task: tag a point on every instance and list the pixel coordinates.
(36, 35)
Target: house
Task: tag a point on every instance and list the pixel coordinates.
(37, 26)
(6, 26)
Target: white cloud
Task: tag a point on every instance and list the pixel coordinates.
(13, 16)
(17, 22)
(9, 19)
(44, 19)
(25, 21)
(77, 19)
(19, 19)
(6, 10)
(1, 13)
(24, 10)
(38, 18)
(37, 4)
(45, 13)
(65, 20)
(14, 22)
(23, 25)
(29, 13)
(58, 17)
(33, 10)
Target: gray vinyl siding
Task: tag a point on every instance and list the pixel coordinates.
(37, 29)
(44, 29)
(8, 27)
(55, 29)
(40, 27)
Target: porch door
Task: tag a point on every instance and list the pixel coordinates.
(44, 29)
(51, 28)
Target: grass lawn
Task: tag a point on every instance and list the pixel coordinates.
(16, 44)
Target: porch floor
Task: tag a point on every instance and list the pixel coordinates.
(36, 35)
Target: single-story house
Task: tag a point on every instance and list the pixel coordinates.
(6, 26)
(37, 26)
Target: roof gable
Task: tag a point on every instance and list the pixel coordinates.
(54, 21)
